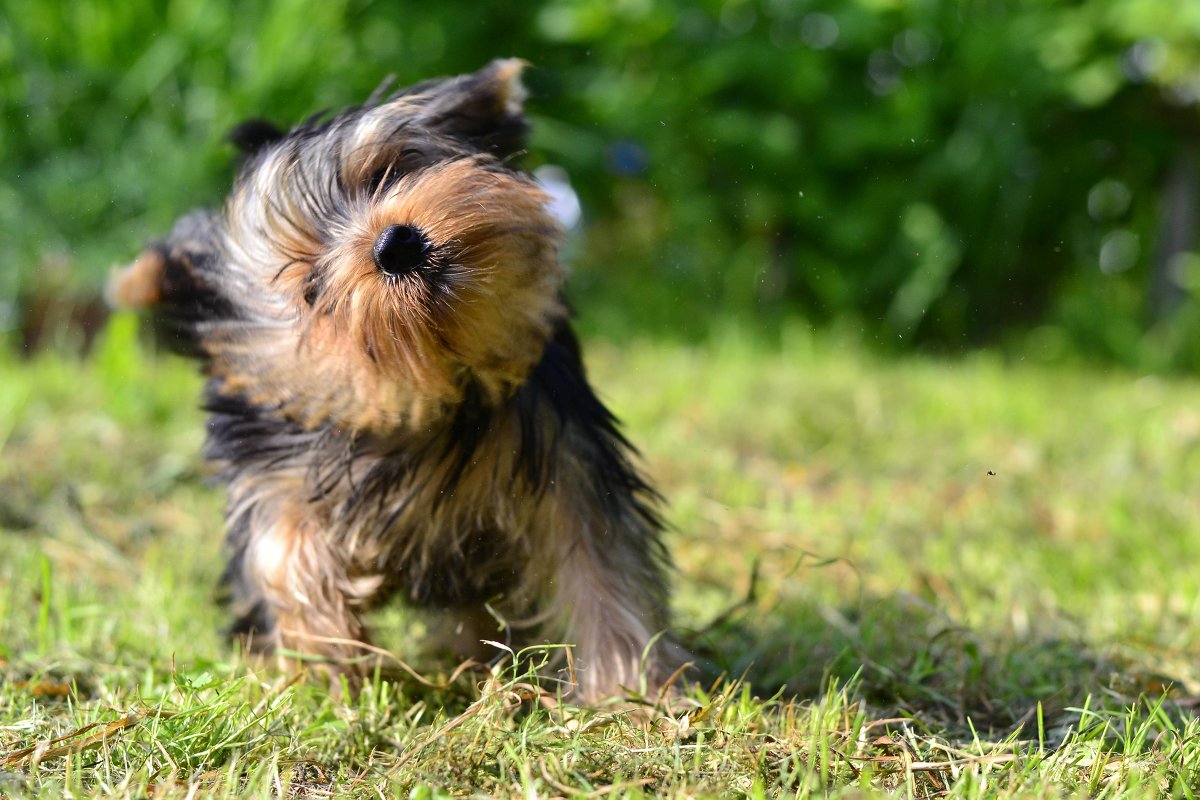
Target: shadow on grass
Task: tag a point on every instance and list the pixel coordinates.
(908, 659)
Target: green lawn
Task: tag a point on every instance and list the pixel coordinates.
(967, 578)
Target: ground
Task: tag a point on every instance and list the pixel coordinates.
(970, 577)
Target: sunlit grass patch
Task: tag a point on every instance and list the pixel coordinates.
(968, 578)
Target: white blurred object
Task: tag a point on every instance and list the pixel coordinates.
(564, 203)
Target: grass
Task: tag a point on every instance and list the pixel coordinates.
(964, 579)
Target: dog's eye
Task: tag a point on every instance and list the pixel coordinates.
(381, 180)
(386, 173)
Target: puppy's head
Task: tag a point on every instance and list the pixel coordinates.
(381, 261)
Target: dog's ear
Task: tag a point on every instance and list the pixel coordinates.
(253, 135)
(484, 108)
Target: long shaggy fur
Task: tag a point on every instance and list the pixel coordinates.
(426, 432)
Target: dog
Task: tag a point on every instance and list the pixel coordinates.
(396, 400)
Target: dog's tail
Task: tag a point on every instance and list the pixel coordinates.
(172, 277)
(138, 285)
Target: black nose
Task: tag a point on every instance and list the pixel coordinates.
(400, 249)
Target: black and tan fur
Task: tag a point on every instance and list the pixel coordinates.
(414, 421)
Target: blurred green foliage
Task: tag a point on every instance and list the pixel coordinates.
(939, 172)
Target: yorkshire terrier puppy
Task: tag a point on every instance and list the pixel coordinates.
(397, 402)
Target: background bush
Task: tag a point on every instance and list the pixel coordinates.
(942, 174)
